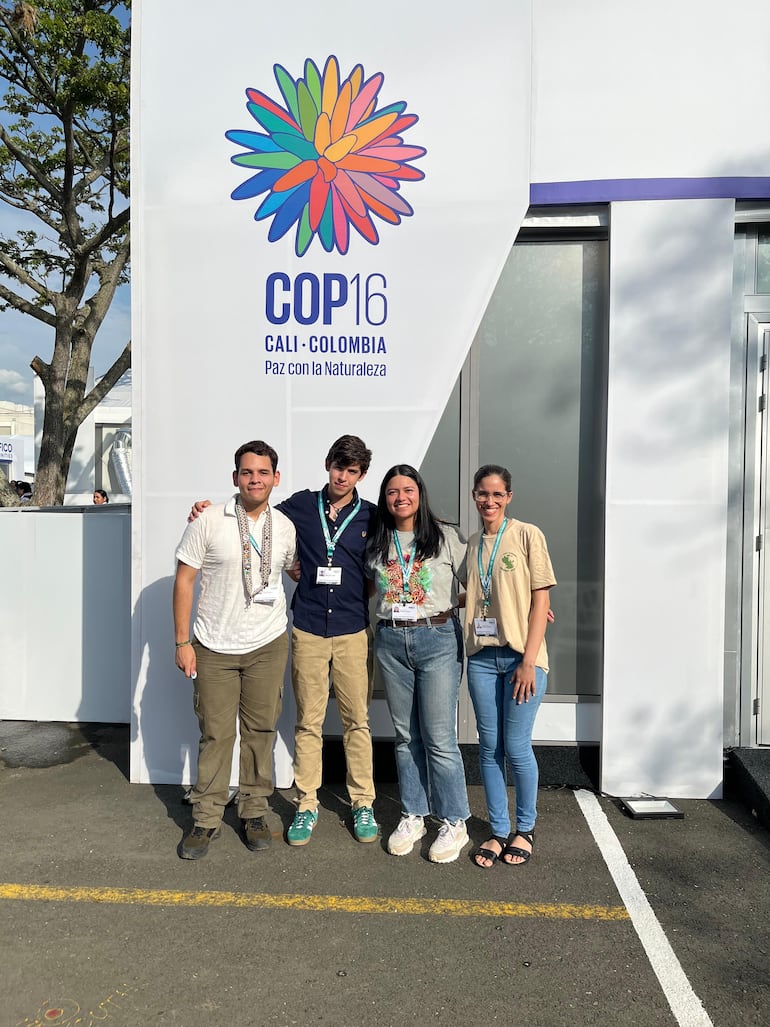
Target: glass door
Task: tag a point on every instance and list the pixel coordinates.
(532, 396)
(758, 538)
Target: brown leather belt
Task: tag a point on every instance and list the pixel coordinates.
(438, 618)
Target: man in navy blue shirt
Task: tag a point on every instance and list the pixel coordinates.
(331, 613)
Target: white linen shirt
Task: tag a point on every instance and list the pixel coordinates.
(212, 545)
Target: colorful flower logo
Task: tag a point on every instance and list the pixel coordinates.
(328, 159)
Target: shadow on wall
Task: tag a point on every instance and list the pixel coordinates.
(106, 615)
(674, 348)
(163, 721)
(662, 744)
(671, 302)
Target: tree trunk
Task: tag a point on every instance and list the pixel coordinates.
(66, 407)
(8, 496)
(52, 469)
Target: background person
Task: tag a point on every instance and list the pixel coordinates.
(238, 649)
(416, 561)
(100, 497)
(509, 575)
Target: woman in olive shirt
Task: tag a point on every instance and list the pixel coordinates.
(509, 576)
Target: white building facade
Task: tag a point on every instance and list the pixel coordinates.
(579, 290)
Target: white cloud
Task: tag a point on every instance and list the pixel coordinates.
(14, 387)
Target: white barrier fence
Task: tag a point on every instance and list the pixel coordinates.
(65, 614)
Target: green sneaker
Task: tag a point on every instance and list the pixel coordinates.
(364, 825)
(302, 827)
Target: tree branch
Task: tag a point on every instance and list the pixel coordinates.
(26, 307)
(13, 61)
(107, 230)
(103, 168)
(40, 368)
(29, 166)
(9, 265)
(109, 279)
(27, 205)
(103, 386)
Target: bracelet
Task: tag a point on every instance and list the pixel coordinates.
(179, 645)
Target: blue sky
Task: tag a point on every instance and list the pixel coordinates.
(22, 337)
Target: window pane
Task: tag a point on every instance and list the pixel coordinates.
(441, 466)
(763, 261)
(542, 414)
(109, 473)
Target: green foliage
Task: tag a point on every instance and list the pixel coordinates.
(64, 168)
(64, 139)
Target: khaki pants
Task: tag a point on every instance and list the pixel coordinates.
(311, 660)
(246, 688)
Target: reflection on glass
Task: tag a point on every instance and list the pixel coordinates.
(542, 350)
(106, 474)
(441, 466)
(763, 261)
(542, 367)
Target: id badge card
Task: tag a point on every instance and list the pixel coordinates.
(267, 596)
(405, 611)
(485, 626)
(328, 576)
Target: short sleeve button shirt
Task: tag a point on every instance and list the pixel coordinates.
(212, 544)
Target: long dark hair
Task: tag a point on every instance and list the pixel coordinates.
(428, 536)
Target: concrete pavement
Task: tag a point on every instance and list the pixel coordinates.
(613, 921)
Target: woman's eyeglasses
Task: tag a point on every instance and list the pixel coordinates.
(482, 497)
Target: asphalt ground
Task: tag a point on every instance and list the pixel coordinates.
(613, 922)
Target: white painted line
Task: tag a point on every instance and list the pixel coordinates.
(685, 1004)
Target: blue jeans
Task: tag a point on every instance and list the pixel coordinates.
(421, 668)
(505, 730)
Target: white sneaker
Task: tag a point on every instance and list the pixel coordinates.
(410, 830)
(451, 840)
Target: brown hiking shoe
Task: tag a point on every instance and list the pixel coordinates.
(195, 845)
(258, 834)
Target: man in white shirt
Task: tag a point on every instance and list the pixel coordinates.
(236, 653)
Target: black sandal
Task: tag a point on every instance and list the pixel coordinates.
(515, 850)
(489, 854)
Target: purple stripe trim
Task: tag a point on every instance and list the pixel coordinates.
(607, 190)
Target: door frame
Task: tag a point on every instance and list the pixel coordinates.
(754, 715)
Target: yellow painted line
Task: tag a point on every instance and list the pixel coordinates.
(318, 903)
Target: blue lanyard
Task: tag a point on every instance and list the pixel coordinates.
(332, 542)
(254, 544)
(405, 568)
(486, 579)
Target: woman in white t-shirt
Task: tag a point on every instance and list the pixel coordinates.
(416, 562)
(509, 577)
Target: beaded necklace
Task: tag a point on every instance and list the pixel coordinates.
(265, 552)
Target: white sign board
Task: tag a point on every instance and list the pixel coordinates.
(321, 208)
